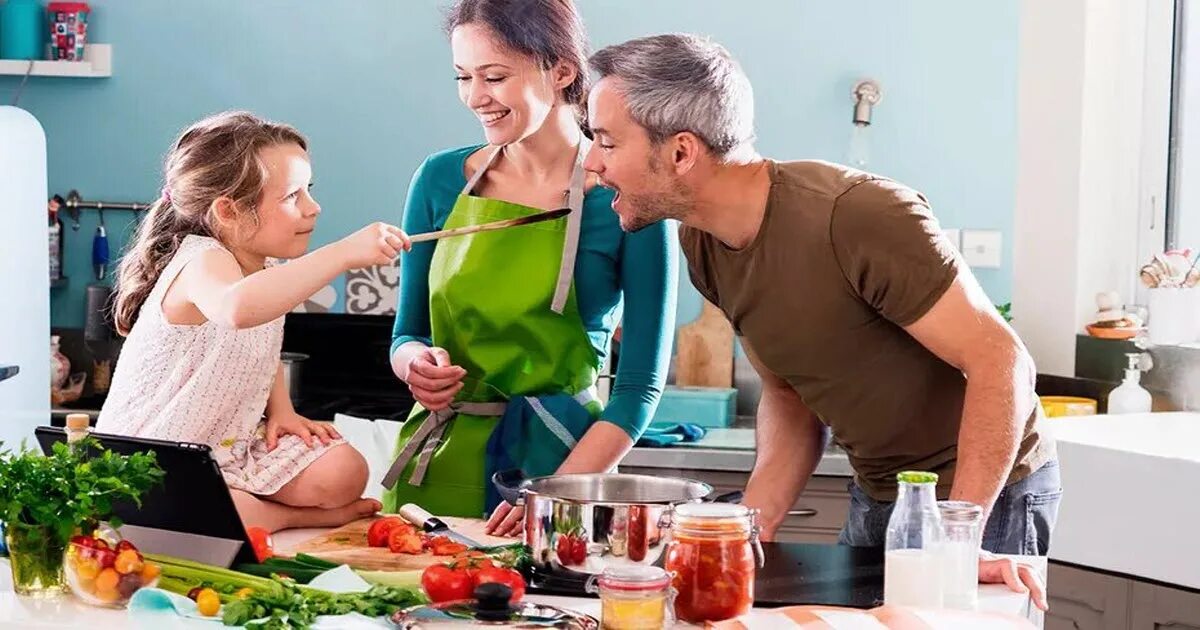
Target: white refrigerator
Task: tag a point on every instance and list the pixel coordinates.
(24, 278)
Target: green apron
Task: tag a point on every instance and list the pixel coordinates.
(502, 304)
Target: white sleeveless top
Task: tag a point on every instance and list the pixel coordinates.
(204, 383)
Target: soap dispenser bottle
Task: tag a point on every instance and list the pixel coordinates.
(1130, 396)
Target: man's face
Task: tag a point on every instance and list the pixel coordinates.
(640, 172)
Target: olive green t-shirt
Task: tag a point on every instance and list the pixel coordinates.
(843, 260)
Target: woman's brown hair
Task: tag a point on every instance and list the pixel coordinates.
(216, 157)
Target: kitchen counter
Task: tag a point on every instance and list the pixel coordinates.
(833, 570)
(730, 450)
(1128, 495)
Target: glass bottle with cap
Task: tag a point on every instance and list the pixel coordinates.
(79, 425)
(961, 528)
(712, 557)
(912, 565)
(633, 597)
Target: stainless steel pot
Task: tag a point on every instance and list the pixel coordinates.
(292, 372)
(584, 523)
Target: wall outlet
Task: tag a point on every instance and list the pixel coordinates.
(981, 248)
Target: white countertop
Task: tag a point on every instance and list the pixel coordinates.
(1129, 488)
(68, 612)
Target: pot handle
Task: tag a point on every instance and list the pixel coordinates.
(511, 485)
(728, 497)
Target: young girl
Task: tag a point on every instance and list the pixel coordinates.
(203, 311)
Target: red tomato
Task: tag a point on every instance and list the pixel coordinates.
(260, 541)
(579, 550)
(125, 545)
(443, 584)
(377, 534)
(443, 546)
(562, 549)
(401, 540)
(472, 562)
(106, 557)
(509, 577)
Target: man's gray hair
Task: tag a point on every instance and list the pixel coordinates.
(679, 82)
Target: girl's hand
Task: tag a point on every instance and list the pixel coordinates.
(295, 424)
(376, 244)
(434, 381)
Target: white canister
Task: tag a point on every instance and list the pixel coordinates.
(1174, 315)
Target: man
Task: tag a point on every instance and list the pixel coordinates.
(856, 312)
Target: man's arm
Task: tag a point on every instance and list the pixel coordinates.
(964, 329)
(789, 441)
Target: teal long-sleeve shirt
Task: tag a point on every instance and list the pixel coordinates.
(634, 274)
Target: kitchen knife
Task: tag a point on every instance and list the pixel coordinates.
(417, 515)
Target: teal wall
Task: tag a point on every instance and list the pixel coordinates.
(370, 83)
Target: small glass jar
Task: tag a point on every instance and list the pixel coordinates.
(712, 558)
(633, 597)
(962, 524)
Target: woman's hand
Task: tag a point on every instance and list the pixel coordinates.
(434, 381)
(292, 423)
(376, 244)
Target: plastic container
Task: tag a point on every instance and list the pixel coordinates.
(1062, 406)
(21, 30)
(712, 558)
(634, 598)
(68, 29)
(712, 407)
(1130, 396)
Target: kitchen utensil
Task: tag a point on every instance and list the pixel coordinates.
(494, 225)
(705, 350)
(348, 545)
(492, 607)
(431, 524)
(100, 249)
(293, 363)
(581, 524)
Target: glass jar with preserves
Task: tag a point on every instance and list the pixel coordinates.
(633, 597)
(712, 557)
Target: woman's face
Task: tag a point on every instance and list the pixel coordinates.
(510, 93)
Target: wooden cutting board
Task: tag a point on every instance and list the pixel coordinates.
(704, 350)
(348, 545)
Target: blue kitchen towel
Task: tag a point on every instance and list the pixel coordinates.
(667, 434)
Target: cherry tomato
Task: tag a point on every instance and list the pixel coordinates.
(563, 549)
(260, 541)
(579, 550)
(508, 577)
(443, 584)
(125, 545)
(377, 534)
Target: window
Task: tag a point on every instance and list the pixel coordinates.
(1183, 171)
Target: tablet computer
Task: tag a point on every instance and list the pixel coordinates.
(190, 515)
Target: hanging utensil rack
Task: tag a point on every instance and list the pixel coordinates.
(75, 202)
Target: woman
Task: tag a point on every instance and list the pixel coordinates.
(500, 335)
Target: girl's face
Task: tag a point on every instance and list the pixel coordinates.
(510, 93)
(286, 211)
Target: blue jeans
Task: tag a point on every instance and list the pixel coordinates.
(1021, 520)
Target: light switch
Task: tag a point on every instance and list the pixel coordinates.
(981, 248)
(954, 236)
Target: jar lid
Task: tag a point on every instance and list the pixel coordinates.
(916, 476)
(634, 578)
(78, 421)
(711, 510)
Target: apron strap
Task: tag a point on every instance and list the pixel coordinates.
(566, 268)
(429, 436)
(478, 174)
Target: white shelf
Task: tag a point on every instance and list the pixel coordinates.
(97, 63)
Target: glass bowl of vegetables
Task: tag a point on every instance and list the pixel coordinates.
(103, 573)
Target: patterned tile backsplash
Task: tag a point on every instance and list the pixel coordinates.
(372, 290)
